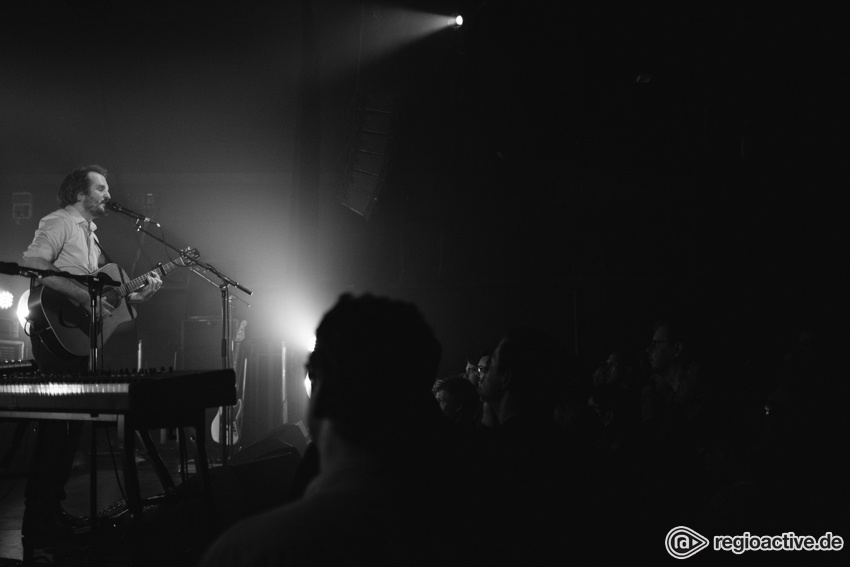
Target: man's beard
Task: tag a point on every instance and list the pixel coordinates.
(93, 207)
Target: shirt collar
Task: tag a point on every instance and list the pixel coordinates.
(79, 219)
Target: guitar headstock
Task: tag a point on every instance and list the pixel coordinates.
(188, 256)
(240, 334)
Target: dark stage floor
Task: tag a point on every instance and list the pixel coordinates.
(175, 528)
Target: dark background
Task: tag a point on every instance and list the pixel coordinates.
(582, 167)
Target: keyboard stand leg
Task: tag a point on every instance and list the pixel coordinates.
(131, 479)
(93, 480)
(156, 460)
(201, 448)
(199, 423)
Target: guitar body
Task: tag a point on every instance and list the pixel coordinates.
(63, 324)
(232, 432)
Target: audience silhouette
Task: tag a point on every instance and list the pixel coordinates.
(533, 460)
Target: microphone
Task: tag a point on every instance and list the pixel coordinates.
(113, 206)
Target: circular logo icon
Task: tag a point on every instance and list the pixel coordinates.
(683, 542)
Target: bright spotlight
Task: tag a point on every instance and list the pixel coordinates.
(308, 385)
(456, 21)
(6, 299)
(23, 309)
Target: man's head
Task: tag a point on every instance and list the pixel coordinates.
(675, 346)
(457, 397)
(471, 370)
(373, 368)
(665, 347)
(525, 364)
(476, 368)
(86, 188)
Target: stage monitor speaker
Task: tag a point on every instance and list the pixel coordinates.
(259, 480)
(256, 479)
(294, 434)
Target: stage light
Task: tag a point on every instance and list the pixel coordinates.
(308, 385)
(6, 299)
(456, 21)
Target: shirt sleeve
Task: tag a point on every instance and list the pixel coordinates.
(49, 237)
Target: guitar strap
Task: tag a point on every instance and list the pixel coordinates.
(106, 257)
(108, 260)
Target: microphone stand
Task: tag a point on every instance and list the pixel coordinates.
(225, 431)
(226, 362)
(95, 285)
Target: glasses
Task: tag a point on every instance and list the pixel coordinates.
(481, 369)
(655, 344)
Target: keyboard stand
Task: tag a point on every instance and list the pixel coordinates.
(128, 425)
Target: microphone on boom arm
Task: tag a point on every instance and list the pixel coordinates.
(113, 206)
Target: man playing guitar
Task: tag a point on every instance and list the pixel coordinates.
(65, 241)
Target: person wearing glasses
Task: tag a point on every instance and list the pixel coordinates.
(675, 363)
(666, 355)
(532, 473)
(476, 367)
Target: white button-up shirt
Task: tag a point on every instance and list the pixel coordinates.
(67, 240)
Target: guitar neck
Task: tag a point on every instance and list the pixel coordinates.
(122, 291)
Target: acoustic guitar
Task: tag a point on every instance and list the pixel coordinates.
(63, 324)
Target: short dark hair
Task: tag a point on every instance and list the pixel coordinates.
(687, 330)
(676, 331)
(379, 358)
(77, 183)
(463, 391)
(474, 357)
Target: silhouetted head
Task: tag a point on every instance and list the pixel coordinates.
(373, 368)
(458, 398)
(671, 344)
(526, 363)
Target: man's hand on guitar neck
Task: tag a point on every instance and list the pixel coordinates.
(150, 288)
